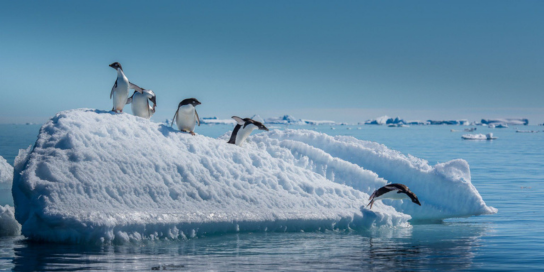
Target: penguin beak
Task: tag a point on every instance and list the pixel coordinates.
(417, 202)
(264, 128)
(111, 65)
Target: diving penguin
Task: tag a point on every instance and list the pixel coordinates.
(140, 103)
(243, 128)
(186, 116)
(393, 191)
(119, 91)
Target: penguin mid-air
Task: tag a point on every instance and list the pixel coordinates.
(394, 191)
(186, 116)
(119, 91)
(243, 128)
(140, 103)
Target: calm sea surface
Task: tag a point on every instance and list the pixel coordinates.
(508, 172)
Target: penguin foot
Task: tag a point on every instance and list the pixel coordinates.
(192, 133)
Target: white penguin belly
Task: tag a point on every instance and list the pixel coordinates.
(393, 195)
(186, 120)
(243, 133)
(140, 106)
(120, 94)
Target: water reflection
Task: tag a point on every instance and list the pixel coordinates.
(448, 246)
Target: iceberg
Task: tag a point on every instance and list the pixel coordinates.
(417, 122)
(385, 120)
(507, 121)
(290, 120)
(463, 122)
(8, 225)
(6, 174)
(215, 121)
(98, 177)
(488, 136)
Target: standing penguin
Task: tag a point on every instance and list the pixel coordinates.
(119, 91)
(140, 103)
(243, 128)
(186, 116)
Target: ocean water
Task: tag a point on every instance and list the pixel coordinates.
(508, 173)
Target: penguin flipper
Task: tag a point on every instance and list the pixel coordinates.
(174, 118)
(129, 100)
(238, 120)
(197, 118)
(136, 87)
(113, 88)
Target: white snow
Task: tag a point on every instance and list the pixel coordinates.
(98, 177)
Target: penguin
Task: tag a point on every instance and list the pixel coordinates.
(186, 116)
(243, 128)
(119, 91)
(394, 191)
(140, 103)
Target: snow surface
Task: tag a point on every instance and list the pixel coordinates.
(98, 177)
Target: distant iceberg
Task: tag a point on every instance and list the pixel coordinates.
(215, 121)
(97, 177)
(507, 121)
(290, 120)
(417, 122)
(385, 120)
(463, 122)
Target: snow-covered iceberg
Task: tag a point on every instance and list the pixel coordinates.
(8, 224)
(384, 120)
(97, 177)
(462, 122)
(290, 120)
(6, 174)
(488, 136)
(507, 121)
(215, 121)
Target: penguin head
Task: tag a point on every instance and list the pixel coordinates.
(415, 199)
(189, 101)
(116, 65)
(260, 125)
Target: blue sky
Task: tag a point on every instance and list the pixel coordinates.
(337, 60)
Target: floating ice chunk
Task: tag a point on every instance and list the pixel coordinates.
(6, 174)
(8, 225)
(98, 177)
(488, 136)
